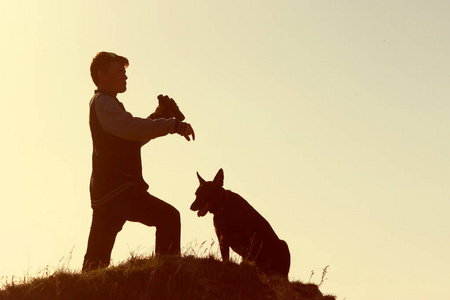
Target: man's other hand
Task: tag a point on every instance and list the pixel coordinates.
(185, 129)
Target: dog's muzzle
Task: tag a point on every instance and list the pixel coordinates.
(201, 212)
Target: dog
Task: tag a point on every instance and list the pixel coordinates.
(240, 227)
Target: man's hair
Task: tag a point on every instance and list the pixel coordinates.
(101, 62)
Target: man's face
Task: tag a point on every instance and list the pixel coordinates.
(115, 79)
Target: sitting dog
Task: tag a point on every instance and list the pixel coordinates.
(239, 226)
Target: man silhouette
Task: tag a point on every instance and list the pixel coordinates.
(117, 188)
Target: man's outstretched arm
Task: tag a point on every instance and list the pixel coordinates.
(121, 123)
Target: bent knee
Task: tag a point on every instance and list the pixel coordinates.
(172, 216)
(176, 215)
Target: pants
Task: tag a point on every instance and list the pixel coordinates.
(136, 205)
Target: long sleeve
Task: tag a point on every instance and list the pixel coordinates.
(115, 120)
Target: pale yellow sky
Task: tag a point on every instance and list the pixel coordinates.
(329, 117)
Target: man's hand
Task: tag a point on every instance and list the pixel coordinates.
(185, 129)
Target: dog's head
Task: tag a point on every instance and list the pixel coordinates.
(208, 195)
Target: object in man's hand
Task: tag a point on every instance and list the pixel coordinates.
(167, 108)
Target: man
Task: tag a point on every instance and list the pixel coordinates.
(118, 190)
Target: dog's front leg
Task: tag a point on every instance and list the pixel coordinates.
(224, 248)
(220, 229)
(225, 251)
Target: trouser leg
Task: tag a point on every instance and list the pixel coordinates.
(168, 233)
(106, 223)
(152, 211)
(135, 205)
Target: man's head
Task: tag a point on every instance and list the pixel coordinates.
(108, 72)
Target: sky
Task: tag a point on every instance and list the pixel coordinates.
(329, 117)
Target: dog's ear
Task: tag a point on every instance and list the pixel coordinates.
(202, 181)
(219, 178)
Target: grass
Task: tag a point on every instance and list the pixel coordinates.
(163, 277)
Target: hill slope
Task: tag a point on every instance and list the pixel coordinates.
(160, 277)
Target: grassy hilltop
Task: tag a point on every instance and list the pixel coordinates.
(164, 277)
